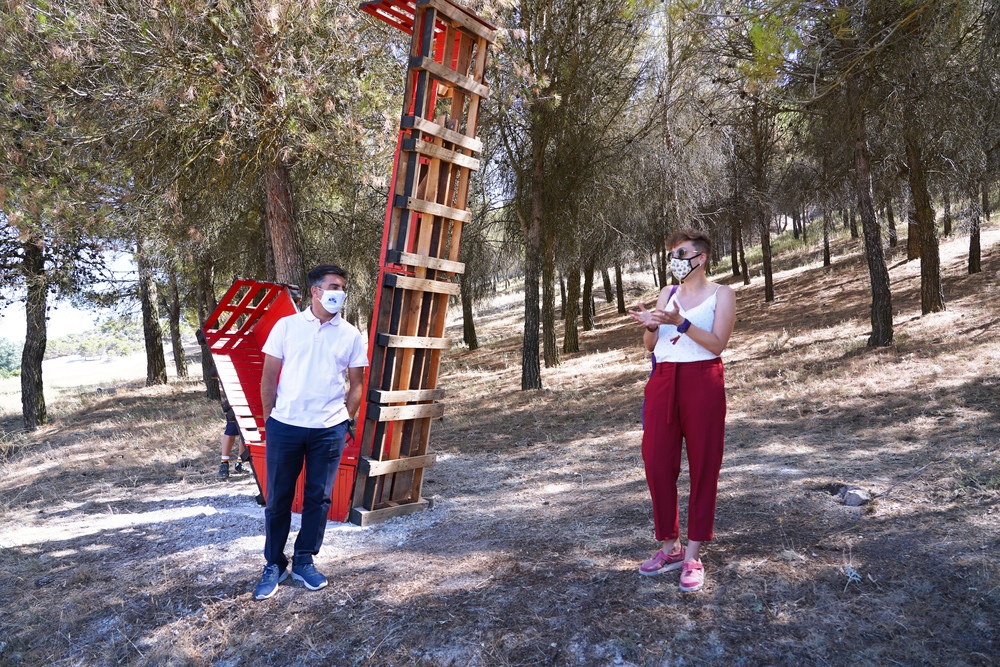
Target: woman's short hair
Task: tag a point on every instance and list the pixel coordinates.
(700, 240)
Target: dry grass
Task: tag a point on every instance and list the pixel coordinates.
(120, 547)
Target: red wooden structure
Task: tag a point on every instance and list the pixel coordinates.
(420, 248)
(235, 332)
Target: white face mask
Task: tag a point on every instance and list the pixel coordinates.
(332, 300)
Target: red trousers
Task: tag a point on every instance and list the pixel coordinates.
(684, 401)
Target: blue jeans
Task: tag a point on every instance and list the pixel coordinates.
(287, 448)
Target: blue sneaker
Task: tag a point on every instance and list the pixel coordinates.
(310, 577)
(269, 581)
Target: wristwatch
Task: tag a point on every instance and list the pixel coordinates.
(683, 326)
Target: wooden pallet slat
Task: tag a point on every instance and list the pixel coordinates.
(365, 517)
(385, 413)
(415, 342)
(404, 395)
(449, 76)
(421, 284)
(459, 16)
(441, 132)
(433, 151)
(373, 468)
(424, 261)
(247, 424)
(429, 207)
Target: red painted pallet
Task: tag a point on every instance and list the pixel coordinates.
(235, 332)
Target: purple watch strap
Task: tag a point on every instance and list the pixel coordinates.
(683, 326)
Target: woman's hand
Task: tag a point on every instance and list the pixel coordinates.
(672, 316)
(642, 316)
(656, 317)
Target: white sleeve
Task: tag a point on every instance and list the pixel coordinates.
(359, 352)
(275, 344)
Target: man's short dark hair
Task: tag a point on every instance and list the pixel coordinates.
(700, 240)
(316, 276)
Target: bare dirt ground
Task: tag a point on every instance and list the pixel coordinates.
(119, 546)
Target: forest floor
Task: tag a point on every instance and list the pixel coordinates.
(118, 545)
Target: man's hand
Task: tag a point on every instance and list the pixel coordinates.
(356, 378)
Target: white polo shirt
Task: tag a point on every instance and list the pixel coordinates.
(314, 357)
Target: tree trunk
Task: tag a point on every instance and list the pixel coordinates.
(891, 222)
(270, 271)
(795, 225)
(588, 296)
(805, 221)
(912, 233)
(744, 269)
(734, 246)
(205, 294)
(652, 265)
(975, 249)
(550, 344)
(571, 337)
(606, 278)
(852, 214)
(947, 213)
(931, 290)
(35, 336)
(985, 190)
(765, 247)
(881, 312)
(761, 126)
(468, 323)
(174, 315)
(156, 364)
(284, 235)
(531, 371)
(826, 236)
(619, 288)
(562, 296)
(661, 263)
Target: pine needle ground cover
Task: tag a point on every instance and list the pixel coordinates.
(119, 546)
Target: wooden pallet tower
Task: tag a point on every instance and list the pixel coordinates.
(427, 208)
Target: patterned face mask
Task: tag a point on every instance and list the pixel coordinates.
(680, 265)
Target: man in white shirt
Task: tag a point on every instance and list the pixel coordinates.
(307, 413)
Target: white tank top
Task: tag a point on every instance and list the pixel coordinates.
(685, 349)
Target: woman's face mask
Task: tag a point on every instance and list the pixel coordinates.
(681, 263)
(333, 300)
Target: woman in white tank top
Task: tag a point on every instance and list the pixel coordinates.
(685, 402)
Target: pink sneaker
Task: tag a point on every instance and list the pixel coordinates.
(692, 576)
(661, 562)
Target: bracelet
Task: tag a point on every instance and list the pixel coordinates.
(652, 329)
(683, 326)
